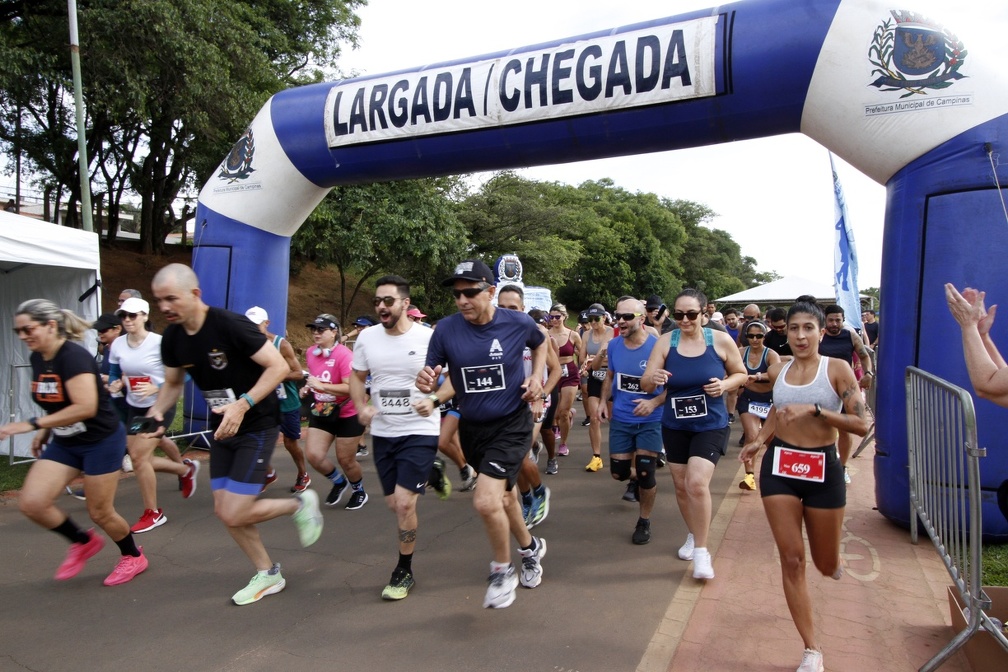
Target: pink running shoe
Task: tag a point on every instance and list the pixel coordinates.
(127, 568)
(562, 449)
(78, 556)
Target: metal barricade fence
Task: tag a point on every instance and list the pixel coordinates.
(944, 463)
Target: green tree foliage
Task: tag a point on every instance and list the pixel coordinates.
(408, 227)
(168, 85)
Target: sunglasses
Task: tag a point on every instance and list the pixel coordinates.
(468, 292)
(626, 317)
(131, 316)
(556, 317)
(387, 300)
(595, 318)
(758, 337)
(690, 315)
(318, 330)
(26, 330)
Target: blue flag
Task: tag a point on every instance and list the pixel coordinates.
(845, 268)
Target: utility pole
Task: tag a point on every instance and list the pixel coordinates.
(85, 177)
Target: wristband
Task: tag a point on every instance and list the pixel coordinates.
(434, 399)
(247, 397)
(33, 421)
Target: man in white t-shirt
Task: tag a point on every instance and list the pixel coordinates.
(405, 443)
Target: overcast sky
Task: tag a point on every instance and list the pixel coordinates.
(773, 195)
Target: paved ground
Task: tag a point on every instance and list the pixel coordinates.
(604, 604)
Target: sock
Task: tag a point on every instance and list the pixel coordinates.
(358, 486)
(406, 562)
(69, 529)
(533, 545)
(646, 521)
(527, 498)
(335, 476)
(496, 567)
(127, 546)
(540, 491)
(272, 571)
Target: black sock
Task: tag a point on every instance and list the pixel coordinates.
(406, 562)
(359, 485)
(127, 546)
(69, 529)
(531, 546)
(540, 491)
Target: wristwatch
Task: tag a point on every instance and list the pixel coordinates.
(818, 410)
(434, 399)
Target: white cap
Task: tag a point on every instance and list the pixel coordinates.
(133, 305)
(257, 315)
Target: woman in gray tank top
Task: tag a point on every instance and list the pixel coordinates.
(801, 478)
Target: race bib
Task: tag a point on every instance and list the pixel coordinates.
(218, 398)
(761, 409)
(394, 402)
(69, 430)
(803, 465)
(136, 381)
(629, 384)
(601, 374)
(281, 391)
(690, 407)
(477, 379)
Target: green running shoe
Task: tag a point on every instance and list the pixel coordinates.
(399, 585)
(260, 586)
(308, 518)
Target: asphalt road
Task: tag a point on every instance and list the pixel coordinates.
(598, 607)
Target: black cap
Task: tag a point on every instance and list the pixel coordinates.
(364, 321)
(471, 269)
(324, 320)
(106, 321)
(582, 317)
(654, 301)
(596, 310)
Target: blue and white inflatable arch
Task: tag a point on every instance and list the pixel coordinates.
(897, 95)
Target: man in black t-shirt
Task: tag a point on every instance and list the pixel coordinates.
(237, 369)
(776, 338)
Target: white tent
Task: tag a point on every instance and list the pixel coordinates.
(783, 291)
(39, 260)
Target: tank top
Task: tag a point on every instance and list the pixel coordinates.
(839, 346)
(760, 368)
(287, 391)
(687, 406)
(819, 391)
(567, 349)
(592, 346)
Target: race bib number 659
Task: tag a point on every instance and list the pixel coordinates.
(803, 465)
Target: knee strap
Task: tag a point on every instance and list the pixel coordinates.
(645, 471)
(620, 469)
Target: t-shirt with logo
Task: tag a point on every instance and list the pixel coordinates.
(627, 366)
(394, 361)
(50, 393)
(219, 359)
(141, 364)
(485, 361)
(332, 365)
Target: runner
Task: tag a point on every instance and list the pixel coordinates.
(569, 342)
(593, 342)
(755, 398)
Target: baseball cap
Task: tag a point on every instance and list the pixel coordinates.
(582, 317)
(654, 301)
(324, 320)
(364, 321)
(595, 310)
(415, 312)
(106, 321)
(470, 269)
(133, 305)
(257, 315)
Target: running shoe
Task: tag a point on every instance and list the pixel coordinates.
(731, 418)
(399, 585)
(662, 459)
(189, 479)
(595, 464)
(302, 482)
(531, 571)
(641, 533)
(271, 477)
(336, 494)
(586, 422)
(468, 476)
(631, 491)
(127, 568)
(686, 550)
(749, 482)
(261, 585)
(439, 481)
(362, 450)
(127, 464)
(540, 508)
(526, 506)
(846, 476)
(536, 450)
(357, 500)
(552, 466)
(149, 520)
(501, 591)
(78, 555)
(308, 518)
(78, 493)
(556, 431)
(702, 567)
(811, 661)
(563, 450)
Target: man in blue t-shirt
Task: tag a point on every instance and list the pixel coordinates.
(483, 349)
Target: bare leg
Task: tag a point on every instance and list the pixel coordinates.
(240, 513)
(784, 513)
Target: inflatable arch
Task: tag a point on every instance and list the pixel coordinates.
(895, 94)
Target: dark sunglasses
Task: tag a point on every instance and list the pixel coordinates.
(318, 330)
(758, 337)
(556, 317)
(387, 300)
(468, 292)
(131, 316)
(688, 315)
(626, 317)
(595, 318)
(26, 330)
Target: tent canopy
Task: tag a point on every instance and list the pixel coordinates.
(39, 260)
(785, 291)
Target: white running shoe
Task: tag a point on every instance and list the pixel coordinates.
(811, 661)
(686, 550)
(501, 591)
(531, 572)
(702, 567)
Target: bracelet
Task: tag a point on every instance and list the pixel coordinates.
(33, 421)
(248, 398)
